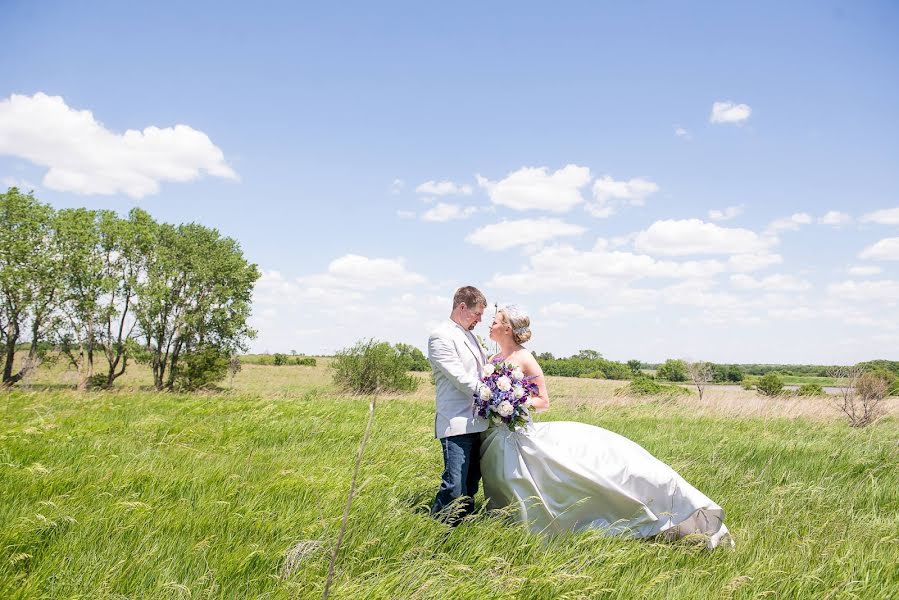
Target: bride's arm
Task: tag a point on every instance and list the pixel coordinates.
(532, 368)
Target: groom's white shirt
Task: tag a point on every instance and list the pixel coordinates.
(457, 361)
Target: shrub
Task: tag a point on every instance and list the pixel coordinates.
(646, 386)
(99, 381)
(279, 359)
(673, 370)
(598, 368)
(770, 384)
(305, 361)
(265, 359)
(372, 367)
(810, 389)
(201, 368)
(634, 365)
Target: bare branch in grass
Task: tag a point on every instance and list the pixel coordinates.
(860, 394)
(700, 374)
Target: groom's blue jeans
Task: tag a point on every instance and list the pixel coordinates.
(461, 475)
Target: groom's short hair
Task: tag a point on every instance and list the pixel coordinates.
(470, 295)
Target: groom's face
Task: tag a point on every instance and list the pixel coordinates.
(471, 316)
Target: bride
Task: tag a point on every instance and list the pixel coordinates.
(566, 476)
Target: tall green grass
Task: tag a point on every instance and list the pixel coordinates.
(135, 494)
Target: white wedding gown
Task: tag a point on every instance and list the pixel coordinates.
(565, 476)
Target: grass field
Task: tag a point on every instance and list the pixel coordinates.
(134, 494)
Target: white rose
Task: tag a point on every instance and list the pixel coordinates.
(504, 383)
(485, 393)
(505, 408)
(488, 370)
(517, 392)
(517, 374)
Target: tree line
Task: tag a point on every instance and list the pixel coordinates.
(101, 291)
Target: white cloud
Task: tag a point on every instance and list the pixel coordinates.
(791, 223)
(885, 249)
(447, 212)
(834, 217)
(361, 272)
(692, 236)
(728, 112)
(565, 268)
(866, 291)
(24, 185)
(698, 293)
(682, 133)
(606, 190)
(84, 157)
(776, 283)
(728, 213)
(864, 271)
(745, 263)
(536, 188)
(443, 188)
(887, 216)
(397, 186)
(569, 310)
(507, 234)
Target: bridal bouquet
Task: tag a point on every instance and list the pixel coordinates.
(504, 397)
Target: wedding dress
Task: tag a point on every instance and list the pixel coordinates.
(566, 476)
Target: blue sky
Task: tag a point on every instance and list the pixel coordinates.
(309, 133)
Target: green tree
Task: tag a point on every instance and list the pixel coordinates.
(770, 384)
(29, 280)
(673, 370)
(634, 365)
(588, 355)
(125, 246)
(195, 297)
(77, 242)
(416, 359)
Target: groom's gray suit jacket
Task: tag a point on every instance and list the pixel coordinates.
(457, 361)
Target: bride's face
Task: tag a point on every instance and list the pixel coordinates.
(499, 329)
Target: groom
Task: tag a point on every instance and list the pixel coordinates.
(457, 361)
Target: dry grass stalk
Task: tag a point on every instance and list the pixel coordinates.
(295, 555)
(349, 498)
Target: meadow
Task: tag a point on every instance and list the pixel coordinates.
(238, 493)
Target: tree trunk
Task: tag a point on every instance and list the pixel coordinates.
(12, 337)
(175, 352)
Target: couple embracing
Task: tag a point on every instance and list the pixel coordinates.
(557, 476)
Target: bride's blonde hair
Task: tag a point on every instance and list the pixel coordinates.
(518, 320)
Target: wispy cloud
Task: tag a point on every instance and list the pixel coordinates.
(725, 215)
(608, 192)
(835, 218)
(728, 112)
(692, 236)
(887, 216)
(444, 188)
(508, 234)
(448, 212)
